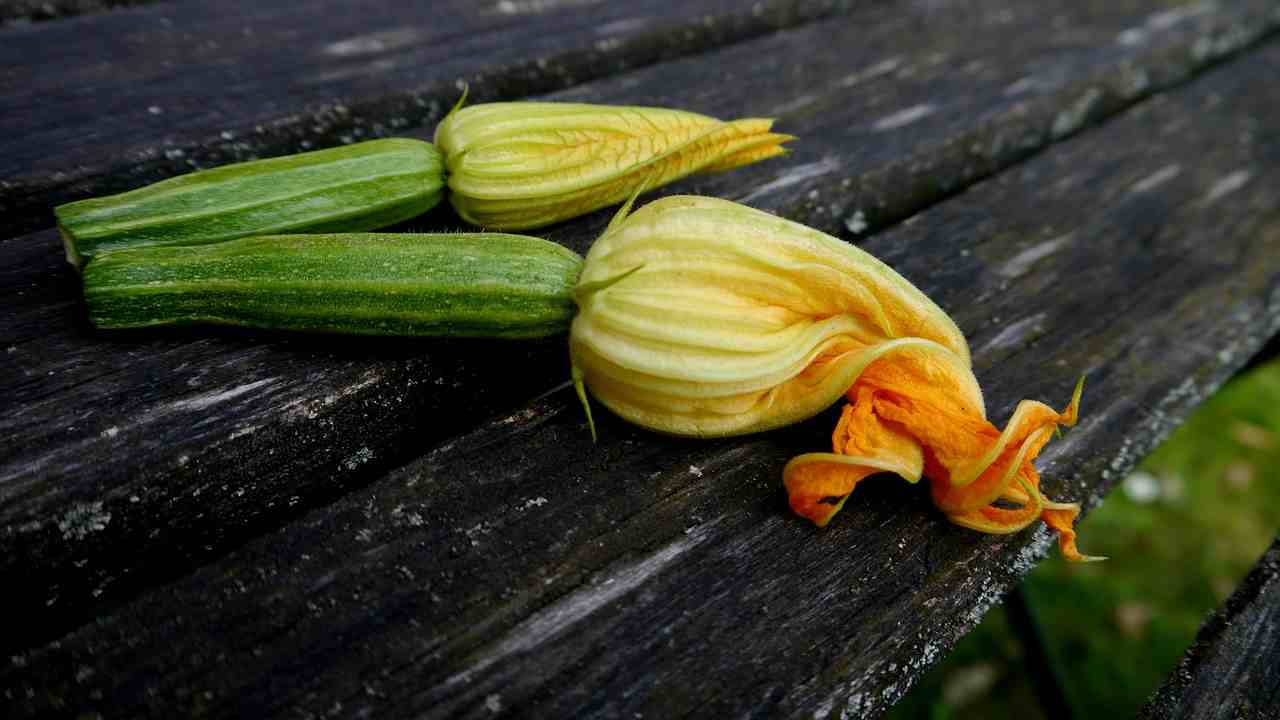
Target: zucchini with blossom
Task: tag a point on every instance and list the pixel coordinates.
(694, 317)
(510, 166)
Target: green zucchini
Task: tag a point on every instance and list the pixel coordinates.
(352, 188)
(454, 285)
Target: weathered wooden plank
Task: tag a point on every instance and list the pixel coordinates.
(19, 11)
(1102, 59)
(134, 96)
(136, 457)
(521, 569)
(1232, 671)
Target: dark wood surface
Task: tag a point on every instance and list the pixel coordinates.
(1232, 672)
(262, 526)
(192, 443)
(132, 96)
(25, 11)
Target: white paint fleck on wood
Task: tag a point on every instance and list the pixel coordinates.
(361, 456)
(797, 175)
(1013, 333)
(795, 104)
(1019, 264)
(905, 117)
(1137, 82)
(1072, 118)
(83, 519)
(884, 67)
(355, 70)
(1227, 185)
(534, 502)
(856, 223)
(1021, 85)
(1161, 22)
(242, 431)
(625, 26)
(1157, 178)
(1132, 36)
(207, 400)
(1166, 19)
(534, 7)
(372, 43)
(309, 408)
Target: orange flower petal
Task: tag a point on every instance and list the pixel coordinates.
(818, 483)
(980, 477)
(1060, 517)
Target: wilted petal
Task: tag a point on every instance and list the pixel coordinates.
(819, 483)
(980, 477)
(1060, 517)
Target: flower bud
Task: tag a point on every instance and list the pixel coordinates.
(524, 165)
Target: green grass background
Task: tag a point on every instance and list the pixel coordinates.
(1181, 532)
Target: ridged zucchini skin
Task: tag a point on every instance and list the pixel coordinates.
(439, 285)
(353, 188)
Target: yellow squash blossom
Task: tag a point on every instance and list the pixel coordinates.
(521, 165)
(701, 317)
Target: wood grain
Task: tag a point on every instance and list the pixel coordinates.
(136, 457)
(519, 569)
(1232, 671)
(134, 96)
(24, 11)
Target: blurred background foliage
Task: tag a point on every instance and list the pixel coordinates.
(1181, 531)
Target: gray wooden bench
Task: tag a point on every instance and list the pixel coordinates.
(250, 525)
(1233, 669)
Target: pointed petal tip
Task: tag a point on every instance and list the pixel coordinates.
(1072, 413)
(580, 388)
(812, 507)
(462, 100)
(624, 211)
(1072, 555)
